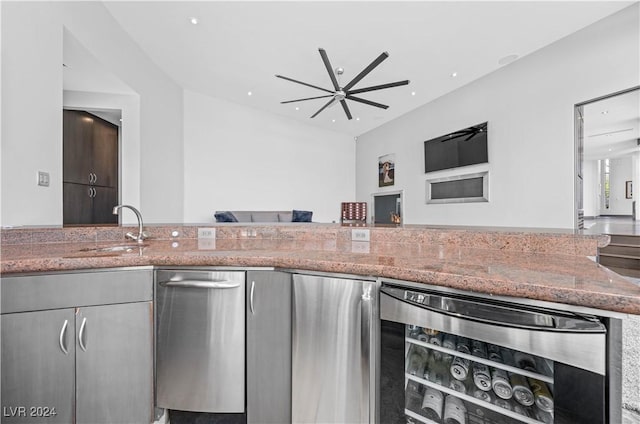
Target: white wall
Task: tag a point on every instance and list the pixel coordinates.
(590, 188)
(32, 34)
(239, 158)
(636, 182)
(620, 172)
(529, 106)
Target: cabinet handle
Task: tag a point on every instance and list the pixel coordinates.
(63, 333)
(94, 192)
(81, 335)
(253, 286)
(95, 178)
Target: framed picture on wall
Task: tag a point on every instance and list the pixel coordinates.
(386, 170)
(628, 190)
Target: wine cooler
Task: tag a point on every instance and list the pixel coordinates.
(456, 359)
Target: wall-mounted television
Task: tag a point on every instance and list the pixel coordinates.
(460, 148)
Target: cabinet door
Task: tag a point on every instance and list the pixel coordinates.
(77, 204)
(268, 347)
(114, 363)
(103, 202)
(331, 347)
(77, 136)
(105, 153)
(38, 363)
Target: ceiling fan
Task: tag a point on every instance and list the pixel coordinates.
(341, 94)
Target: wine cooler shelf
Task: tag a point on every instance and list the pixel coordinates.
(456, 380)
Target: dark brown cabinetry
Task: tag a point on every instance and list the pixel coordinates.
(90, 169)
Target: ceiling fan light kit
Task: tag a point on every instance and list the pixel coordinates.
(341, 94)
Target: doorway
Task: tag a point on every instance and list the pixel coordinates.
(607, 149)
(387, 208)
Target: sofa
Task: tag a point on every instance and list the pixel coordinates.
(263, 216)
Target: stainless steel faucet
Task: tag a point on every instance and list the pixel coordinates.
(141, 235)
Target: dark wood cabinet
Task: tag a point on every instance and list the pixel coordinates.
(85, 204)
(90, 169)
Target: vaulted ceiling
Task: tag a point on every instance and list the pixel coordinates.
(238, 47)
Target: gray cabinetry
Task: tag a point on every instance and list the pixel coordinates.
(65, 361)
(113, 364)
(268, 347)
(38, 361)
(332, 347)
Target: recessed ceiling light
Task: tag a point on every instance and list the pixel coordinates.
(604, 112)
(193, 20)
(454, 74)
(357, 119)
(413, 93)
(609, 149)
(249, 93)
(507, 59)
(333, 120)
(297, 108)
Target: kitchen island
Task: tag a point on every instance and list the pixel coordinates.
(548, 268)
(542, 265)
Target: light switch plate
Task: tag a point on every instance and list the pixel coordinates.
(206, 233)
(43, 179)
(360, 235)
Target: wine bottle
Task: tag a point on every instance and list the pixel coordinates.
(417, 360)
(437, 370)
(413, 396)
(454, 411)
(432, 404)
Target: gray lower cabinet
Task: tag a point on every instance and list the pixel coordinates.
(268, 347)
(82, 363)
(38, 362)
(333, 343)
(114, 376)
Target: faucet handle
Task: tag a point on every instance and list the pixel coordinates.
(131, 236)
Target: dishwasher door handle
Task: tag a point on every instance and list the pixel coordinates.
(200, 284)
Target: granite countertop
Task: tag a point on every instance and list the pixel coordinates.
(481, 262)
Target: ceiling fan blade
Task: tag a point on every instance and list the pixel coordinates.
(366, 70)
(327, 65)
(304, 83)
(379, 87)
(308, 98)
(367, 102)
(323, 107)
(346, 109)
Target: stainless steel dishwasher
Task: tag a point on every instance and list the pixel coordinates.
(200, 357)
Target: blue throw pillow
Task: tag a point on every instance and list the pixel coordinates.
(301, 216)
(225, 217)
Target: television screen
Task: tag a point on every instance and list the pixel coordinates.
(460, 148)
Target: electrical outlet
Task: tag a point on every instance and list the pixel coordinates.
(360, 235)
(207, 244)
(360, 247)
(43, 179)
(206, 233)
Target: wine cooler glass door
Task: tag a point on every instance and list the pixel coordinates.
(455, 360)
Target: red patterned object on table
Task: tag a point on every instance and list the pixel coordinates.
(354, 212)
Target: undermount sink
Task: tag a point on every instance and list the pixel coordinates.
(119, 248)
